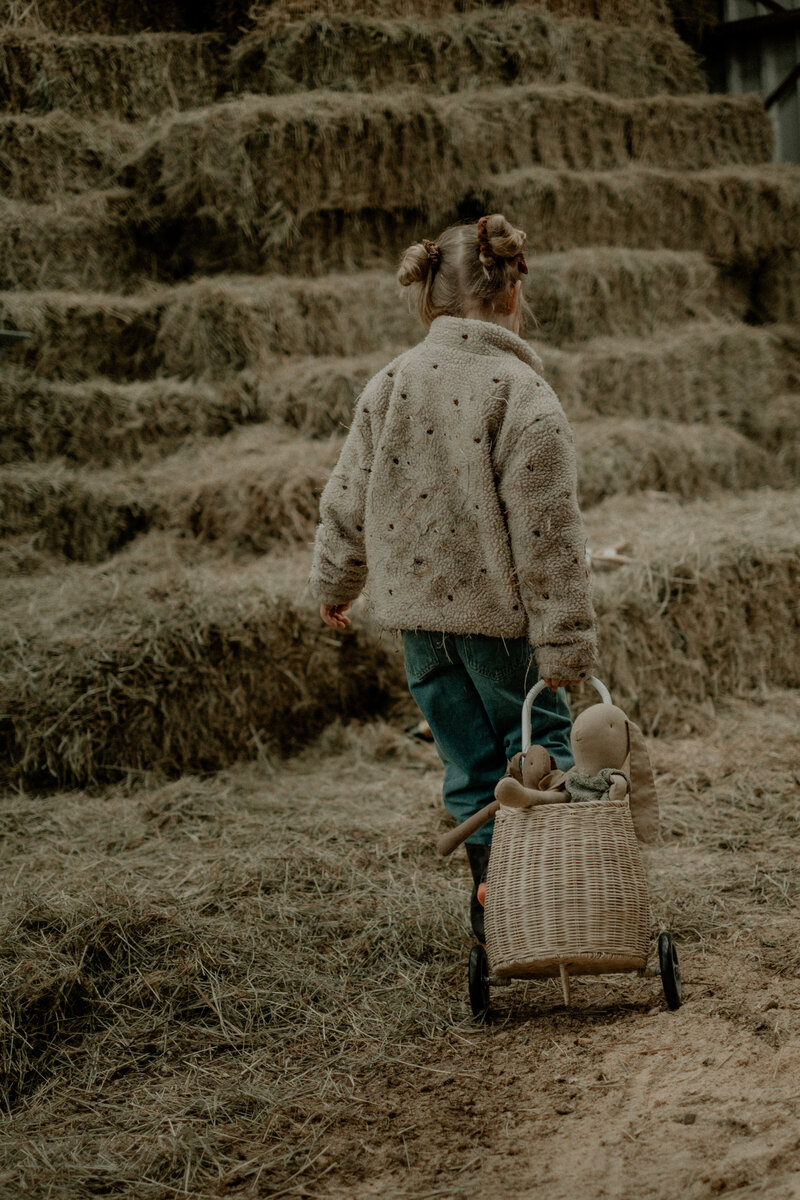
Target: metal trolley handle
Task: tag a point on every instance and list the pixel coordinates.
(605, 696)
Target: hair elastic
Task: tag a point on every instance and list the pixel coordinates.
(483, 239)
(432, 250)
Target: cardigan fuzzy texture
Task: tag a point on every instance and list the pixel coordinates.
(455, 491)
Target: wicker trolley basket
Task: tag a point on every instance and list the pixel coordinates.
(566, 894)
(566, 888)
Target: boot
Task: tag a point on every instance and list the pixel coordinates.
(478, 864)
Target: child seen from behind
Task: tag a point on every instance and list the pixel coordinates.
(454, 496)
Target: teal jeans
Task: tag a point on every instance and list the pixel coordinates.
(470, 689)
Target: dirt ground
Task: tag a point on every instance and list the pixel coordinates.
(301, 1027)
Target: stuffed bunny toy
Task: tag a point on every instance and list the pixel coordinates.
(604, 743)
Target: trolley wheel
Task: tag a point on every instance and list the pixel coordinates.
(670, 970)
(478, 981)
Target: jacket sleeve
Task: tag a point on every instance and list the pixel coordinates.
(339, 565)
(538, 489)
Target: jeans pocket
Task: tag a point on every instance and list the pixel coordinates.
(420, 654)
(498, 658)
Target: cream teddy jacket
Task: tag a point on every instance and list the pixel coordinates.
(455, 492)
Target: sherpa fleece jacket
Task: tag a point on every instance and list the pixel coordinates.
(455, 492)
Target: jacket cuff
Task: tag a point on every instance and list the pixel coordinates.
(575, 660)
(323, 595)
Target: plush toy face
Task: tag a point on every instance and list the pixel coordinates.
(528, 768)
(600, 738)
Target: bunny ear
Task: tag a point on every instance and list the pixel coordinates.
(644, 801)
(514, 767)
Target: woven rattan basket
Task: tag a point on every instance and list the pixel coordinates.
(566, 892)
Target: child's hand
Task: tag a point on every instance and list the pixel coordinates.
(334, 615)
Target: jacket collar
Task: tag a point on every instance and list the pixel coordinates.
(482, 337)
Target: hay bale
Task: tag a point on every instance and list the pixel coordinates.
(579, 294)
(735, 214)
(698, 372)
(74, 242)
(710, 607)
(107, 424)
(118, 672)
(124, 77)
(620, 457)
(786, 339)
(85, 334)
(254, 168)
(84, 517)
(315, 395)
(43, 156)
(258, 488)
(252, 491)
(457, 51)
(124, 16)
(217, 325)
(739, 215)
(774, 424)
(272, 15)
(316, 243)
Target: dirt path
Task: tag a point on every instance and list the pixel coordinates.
(254, 984)
(620, 1097)
(632, 1102)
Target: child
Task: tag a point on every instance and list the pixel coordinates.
(455, 492)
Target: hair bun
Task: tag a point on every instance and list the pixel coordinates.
(416, 264)
(498, 239)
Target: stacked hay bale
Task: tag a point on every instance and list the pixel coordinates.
(200, 217)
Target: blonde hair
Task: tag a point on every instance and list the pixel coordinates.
(469, 271)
